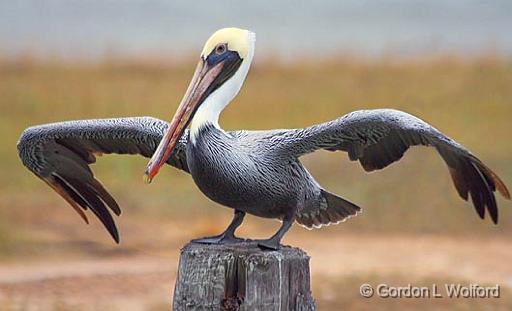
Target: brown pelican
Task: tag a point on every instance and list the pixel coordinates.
(255, 172)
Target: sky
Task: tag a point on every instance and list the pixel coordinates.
(285, 29)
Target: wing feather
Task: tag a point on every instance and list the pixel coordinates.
(377, 138)
(60, 154)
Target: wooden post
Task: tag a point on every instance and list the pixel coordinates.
(242, 277)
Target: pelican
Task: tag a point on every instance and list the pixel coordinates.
(255, 172)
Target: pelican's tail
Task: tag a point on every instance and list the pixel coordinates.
(332, 210)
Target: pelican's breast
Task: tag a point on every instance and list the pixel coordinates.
(238, 174)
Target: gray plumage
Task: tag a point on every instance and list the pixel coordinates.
(258, 172)
(251, 171)
(60, 154)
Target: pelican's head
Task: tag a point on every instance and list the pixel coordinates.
(220, 73)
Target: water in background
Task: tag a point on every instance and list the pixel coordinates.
(93, 28)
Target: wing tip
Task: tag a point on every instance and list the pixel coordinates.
(88, 196)
(501, 187)
(96, 186)
(67, 196)
(115, 236)
(499, 184)
(472, 178)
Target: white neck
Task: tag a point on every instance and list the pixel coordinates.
(210, 109)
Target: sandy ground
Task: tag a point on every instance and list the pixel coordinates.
(145, 282)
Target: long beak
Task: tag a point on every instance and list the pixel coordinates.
(197, 91)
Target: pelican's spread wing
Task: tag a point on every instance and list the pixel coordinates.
(60, 154)
(380, 137)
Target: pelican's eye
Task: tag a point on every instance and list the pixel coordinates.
(221, 48)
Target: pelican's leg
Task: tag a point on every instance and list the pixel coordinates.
(228, 236)
(275, 240)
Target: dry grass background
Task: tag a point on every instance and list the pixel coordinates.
(469, 99)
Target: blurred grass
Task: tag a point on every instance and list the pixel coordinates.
(468, 99)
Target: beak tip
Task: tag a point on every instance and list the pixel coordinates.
(147, 178)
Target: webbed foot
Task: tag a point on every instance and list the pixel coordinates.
(228, 236)
(269, 244)
(218, 239)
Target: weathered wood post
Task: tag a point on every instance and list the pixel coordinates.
(242, 277)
